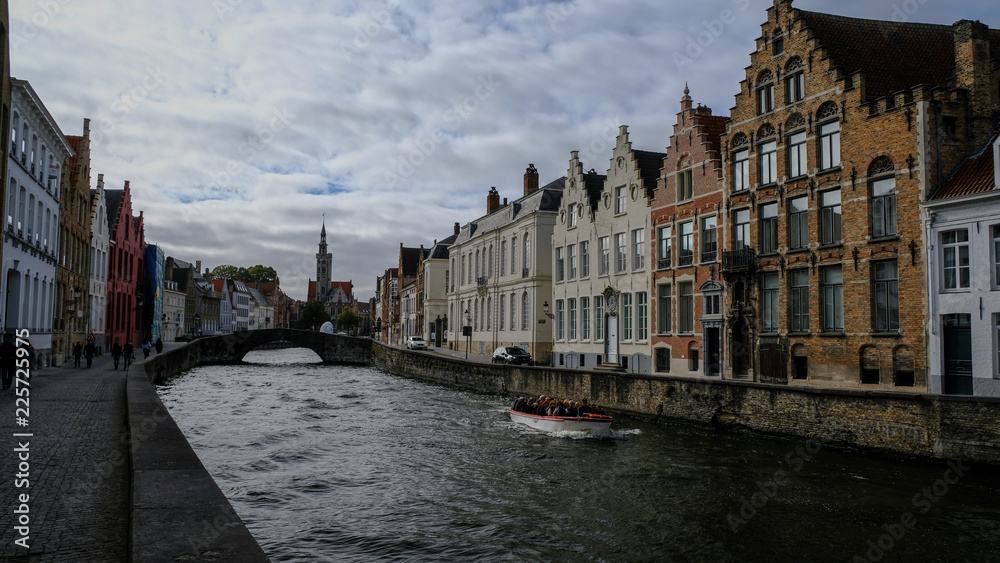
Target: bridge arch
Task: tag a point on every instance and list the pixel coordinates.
(331, 348)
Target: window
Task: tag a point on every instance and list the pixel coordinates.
(642, 315)
(638, 249)
(996, 256)
(598, 317)
(709, 240)
(463, 270)
(833, 299)
(503, 258)
(664, 246)
(769, 289)
(560, 264)
(572, 215)
(685, 292)
(488, 270)
(795, 87)
(687, 244)
(798, 223)
(830, 217)
(741, 170)
(663, 360)
(524, 311)
(572, 318)
(513, 315)
(605, 258)
(621, 197)
(769, 228)
(884, 207)
(571, 254)
(765, 92)
(685, 185)
(797, 163)
(503, 314)
(585, 259)
(955, 258)
(527, 254)
(778, 46)
(798, 301)
(769, 162)
(621, 253)
(829, 145)
(560, 320)
(996, 346)
(886, 297)
(664, 311)
(585, 318)
(741, 229)
(513, 256)
(627, 316)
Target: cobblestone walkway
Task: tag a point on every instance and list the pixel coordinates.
(78, 506)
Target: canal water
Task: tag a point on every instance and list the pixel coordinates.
(353, 465)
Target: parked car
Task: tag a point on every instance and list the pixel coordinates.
(416, 343)
(511, 355)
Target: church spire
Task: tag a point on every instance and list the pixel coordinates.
(324, 264)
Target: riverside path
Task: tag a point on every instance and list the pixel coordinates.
(77, 469)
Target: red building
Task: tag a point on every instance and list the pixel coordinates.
(125, 256)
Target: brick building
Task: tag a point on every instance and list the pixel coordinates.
(687, 229)
(125, 266)
(837, 136)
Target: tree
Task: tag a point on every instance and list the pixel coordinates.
(348, 321)
(226, 272)
(312, 316)
(261, 274)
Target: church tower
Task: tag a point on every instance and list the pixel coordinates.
(324, 263)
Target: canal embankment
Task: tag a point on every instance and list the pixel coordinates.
(928, 426)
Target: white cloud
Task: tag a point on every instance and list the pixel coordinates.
(230, 116)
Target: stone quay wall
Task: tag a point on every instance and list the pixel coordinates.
(928, 426)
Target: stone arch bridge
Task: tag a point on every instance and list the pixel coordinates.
(230, 348)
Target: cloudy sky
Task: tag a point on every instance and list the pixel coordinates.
(240, 123)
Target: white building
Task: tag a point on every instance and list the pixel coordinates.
(500, 273)
(435, 277)
(601, 272)
(173, 311)
(37, 152)
(963, 277)
(262, 315)
(239, 299)
(100, 233)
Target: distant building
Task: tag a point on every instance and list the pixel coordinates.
(127, 249)
(435, 276)
(173, 310)
(335, 295)
(98, 284)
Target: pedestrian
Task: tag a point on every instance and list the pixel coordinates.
(77, 351)
(8, 360)
(159, 345)
(127, 353)
(88, 352)
(116, 352)
(146, 348)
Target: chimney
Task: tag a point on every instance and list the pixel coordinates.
(197, 266)
(492, 200)
(530, 179)
(458, 228)
(972, 72)
(505, 202)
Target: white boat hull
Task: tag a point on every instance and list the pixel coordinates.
(594, 424)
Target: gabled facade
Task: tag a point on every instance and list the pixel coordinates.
(126, 253)
(386, 312)
(688, 227)
(435, 276)
(239, 298)
(963, 274)
(834, 142)
(97, 293)
(225, 307)
(31, 245)
(72, 272)
(500, 273)
(600, 301)
(173, 310)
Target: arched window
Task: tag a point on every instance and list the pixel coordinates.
(828, 119)
(795, 131)
(741, 162)
(527, 254)
(795, 80)
(903, 367)
(882, 187)
(767, 145)
(11, 203)
(765, 92)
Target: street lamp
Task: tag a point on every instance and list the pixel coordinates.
(545, 309)
(467, 329)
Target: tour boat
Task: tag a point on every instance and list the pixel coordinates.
(592, 423)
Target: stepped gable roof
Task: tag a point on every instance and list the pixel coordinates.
(975, 175)
(113, 200)
(545, 198)
(649, 164)
(713, 126)
(594, 184)
(893, 56)
(72, 163)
